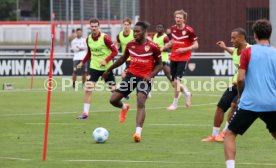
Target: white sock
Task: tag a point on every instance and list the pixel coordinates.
(215, 131)
(86, 108)
(124, 106)
(186, 91)
(226, 126)
(138, 130)
(230, 163)
(175, 101)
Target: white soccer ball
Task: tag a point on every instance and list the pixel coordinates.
(100, 135)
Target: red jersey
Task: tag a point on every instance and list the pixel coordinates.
(245, 58)
(182, 38)
(142, 57)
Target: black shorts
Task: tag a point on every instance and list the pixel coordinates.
(96, 74)
(166, 63)
(83, 68)
(177, 69)
(228, 97)
(127, 65)
(242, 120)
(130, 82)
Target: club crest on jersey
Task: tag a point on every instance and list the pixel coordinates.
(147, 48)
(184, 32)
(192, 66)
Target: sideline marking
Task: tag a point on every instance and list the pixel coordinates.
(12, 158)
(101, 111)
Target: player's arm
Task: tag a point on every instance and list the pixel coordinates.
(167, 45)
(74, 47)
(117, 63)
(222, 45)
(157, 64)
(192, 47)
(245, 58)
(108, 42)
(118, 42)
(87, 57)
(166, 40)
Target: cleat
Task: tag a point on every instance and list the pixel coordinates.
(123, 114)
(209, 139)
(137, 138)
(188, 100)
(220, 137)
(172, 107)
(83, 116)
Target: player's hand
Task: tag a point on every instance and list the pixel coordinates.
(124, 74)
(238, 101)
(105, 75)
(79, 65)
(221, 44)
(148, 79)
(103, 63)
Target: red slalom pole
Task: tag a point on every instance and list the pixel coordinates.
(49, 94)
(32, 79)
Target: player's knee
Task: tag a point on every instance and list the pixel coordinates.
(89, 86)
(113, 101)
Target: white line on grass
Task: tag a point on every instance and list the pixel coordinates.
(54, 123)
(169, 162)
(185, 125)
(100, 111)
(12, 158)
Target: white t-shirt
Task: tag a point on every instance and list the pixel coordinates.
(76, 45)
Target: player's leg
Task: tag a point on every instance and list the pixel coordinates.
(183, 89)
(239, 123)
(269, 118)
(222, 106)
(74, 74)
(167, 71)
(173, 67)
(88, 87)
(84, 73)
(143, 89)
(126, 87)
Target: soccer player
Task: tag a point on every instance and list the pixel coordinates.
(145, 63)
(256, 89)
(79, 47)
(123, 38)
(229, 98)
(160, 38)
(101, 50)
(183, 42)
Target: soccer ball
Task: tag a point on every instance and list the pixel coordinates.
(100, 135)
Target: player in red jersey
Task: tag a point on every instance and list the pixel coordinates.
(183, 42)
(145, 63)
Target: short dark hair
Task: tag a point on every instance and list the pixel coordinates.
(241, 31)
(142, 24)
(78, 29)
(161, 25)
(262, 28)
(94, 20)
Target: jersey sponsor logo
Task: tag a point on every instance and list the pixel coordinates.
(147, 48)
(138, 60)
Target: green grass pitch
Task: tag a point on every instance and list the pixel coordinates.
(169, 139)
